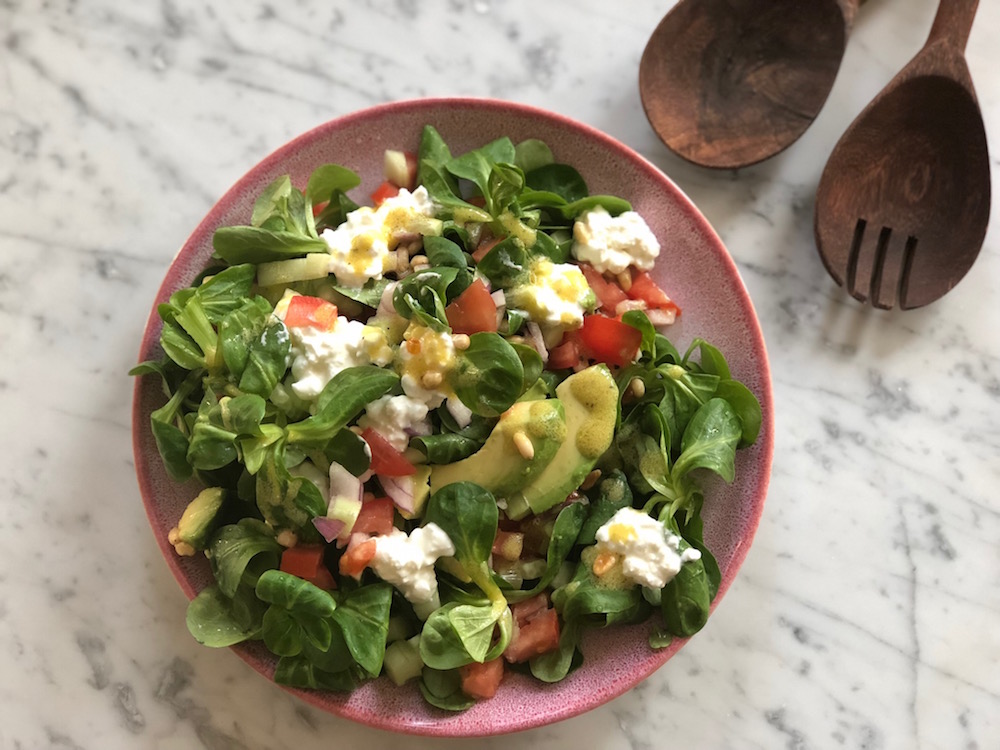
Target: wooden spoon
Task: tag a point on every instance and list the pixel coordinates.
(904, 200)
(728, 83)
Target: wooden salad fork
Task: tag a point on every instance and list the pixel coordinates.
(904, 201)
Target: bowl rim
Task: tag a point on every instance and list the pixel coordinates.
(764, 444)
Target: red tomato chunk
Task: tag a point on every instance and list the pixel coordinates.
(480, 681)
(376, 517)
(473, 310)
(306, 562)
(536, 630)
(386, 460)
(310, 311)
(609, 340)
(384, 192)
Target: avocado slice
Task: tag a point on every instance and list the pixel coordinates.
(198, 520)
(590, 398)
(499, 466)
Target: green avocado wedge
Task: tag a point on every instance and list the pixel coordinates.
(201, 517)
(499, 466)
(590, 398)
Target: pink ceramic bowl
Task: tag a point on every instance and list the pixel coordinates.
(694, 268)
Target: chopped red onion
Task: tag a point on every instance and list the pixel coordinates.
(400, 490)
(329, 528)
(629, 304)
(659, 317)
(537, 341)
(385, 302)
(343, 483)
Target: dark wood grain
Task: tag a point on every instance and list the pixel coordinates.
(904, 201)
(728, 83)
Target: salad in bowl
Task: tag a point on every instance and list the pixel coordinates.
(438, 434)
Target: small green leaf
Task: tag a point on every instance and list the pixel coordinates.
(489, 376)
(341, 400)
(710, 441)
(233, 547)
(237, 245)
(327, 178)
(217, 620)
(281, 634)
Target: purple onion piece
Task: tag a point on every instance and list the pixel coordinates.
(400, 490)
(329, 528)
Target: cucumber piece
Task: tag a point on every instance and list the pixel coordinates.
(402, 660)
(312, 266)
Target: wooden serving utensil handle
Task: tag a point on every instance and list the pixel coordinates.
(953, 22)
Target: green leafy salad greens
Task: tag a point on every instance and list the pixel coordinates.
(435, 444)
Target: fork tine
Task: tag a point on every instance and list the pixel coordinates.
(863, 260)
(885, 271)
(904, 277)
(851, 276)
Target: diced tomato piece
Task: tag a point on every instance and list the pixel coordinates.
(473, 310)
(383, 192)
(609, 294)
(306, 562)
(486, 243)
(324, 579)
(527, 610)
(477, 200)
(508, 544)
(356, 557)
(645, 289)
(539, 635)
(480, 681)
(609, 340)
(386, 460)
(565, 355)
(375, 518)
(310, 311)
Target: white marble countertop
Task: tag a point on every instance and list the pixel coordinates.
(867, 614)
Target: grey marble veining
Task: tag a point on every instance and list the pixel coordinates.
(867, 614)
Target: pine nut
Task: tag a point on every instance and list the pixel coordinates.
(287, 538)
(625, 280)
(637, 387)
(591, 479)
(184, 549)
(603, 563)
(524, 446)
(461, 341)
(431, 379)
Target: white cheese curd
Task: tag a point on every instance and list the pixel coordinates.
(407, 562)
(425, 359)
(461, 413)
(613, 243)
(651, 554)
(554, 295)
(318, 355)
(397, 418)
(361, 248)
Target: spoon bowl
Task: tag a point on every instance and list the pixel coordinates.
(729, 83)
(904, 201)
